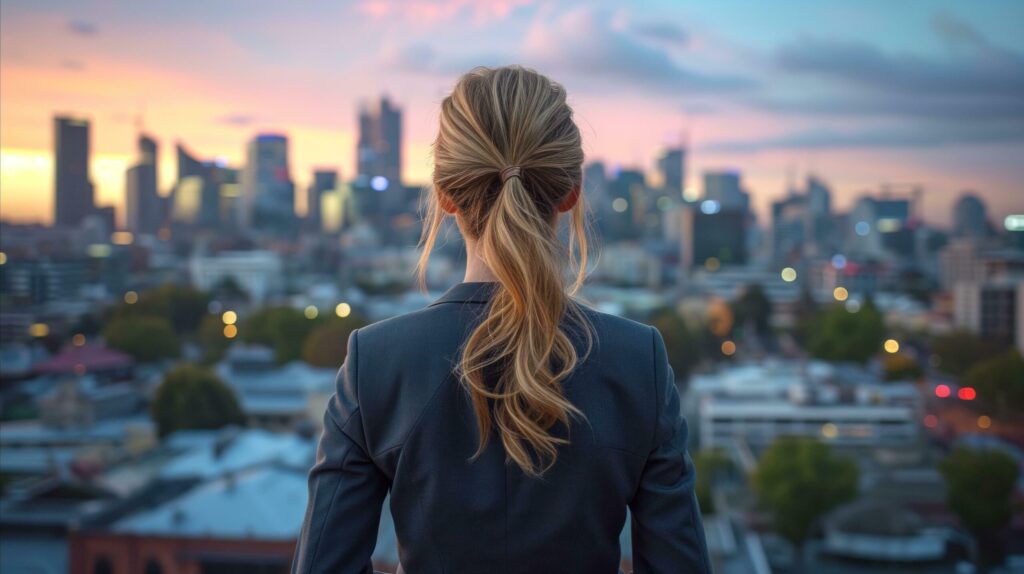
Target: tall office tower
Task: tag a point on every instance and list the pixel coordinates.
(672, 165)
(142, 208)
(789, 228)
(595, 185)
(324, 180)
(711, 236)
(379, 149)
(73, 192)
(970, 217)
(882, 225)
(821, 235)
(725, 188)
(268, 194)
(196, 197)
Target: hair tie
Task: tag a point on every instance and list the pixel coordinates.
(510, 171)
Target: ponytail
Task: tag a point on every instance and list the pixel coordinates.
(523, 338)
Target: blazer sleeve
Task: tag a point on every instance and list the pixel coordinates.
(346, 488)
(666, 525)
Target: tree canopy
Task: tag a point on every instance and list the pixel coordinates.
(999, 382)
(283, 329)
(192, 397)
(958, 351)
(798, 480)
(753, 308)
(841, 335)
(145, 338)
(327, 345)
(183, 307)
(682, 344)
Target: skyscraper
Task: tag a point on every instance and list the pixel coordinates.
(970, 217)
(724, 188)
(73, 192)
(142, 209)
(672, 165)
(379, 149)
(268, 194)
(324, 180)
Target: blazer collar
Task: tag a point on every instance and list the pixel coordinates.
(468, 292)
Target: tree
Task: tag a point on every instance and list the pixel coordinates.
(753, 308)
(901, 368)
(282, 328)
(841, 335)
(211, 339)
(800, 479)
(979, 487)
(183, 307)
(192, 397)
(327, 345)
(999, 382)
(711, 464)
(145, 338)
(958, 351)
(681, 344)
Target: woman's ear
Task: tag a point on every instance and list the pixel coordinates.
(447, 204)
(570, 200)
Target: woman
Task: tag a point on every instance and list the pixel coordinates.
(512, 425)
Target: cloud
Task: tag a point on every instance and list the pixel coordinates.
(82, 27)
(957, 32)
(985, 73)
(582, 42)
(72, 64)
(662, 31)
(432, 11)
(900, 137)
(237, 120)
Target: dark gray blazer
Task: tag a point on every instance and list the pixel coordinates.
(399, 421)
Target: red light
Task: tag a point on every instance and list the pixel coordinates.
(966, 394)
(931, 421)
(942, 391)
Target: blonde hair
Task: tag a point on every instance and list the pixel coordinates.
(494, 119)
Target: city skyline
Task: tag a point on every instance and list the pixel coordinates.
(952, 125)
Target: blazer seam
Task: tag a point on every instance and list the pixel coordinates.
(334, 496)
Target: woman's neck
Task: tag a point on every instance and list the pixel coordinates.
(476, 268)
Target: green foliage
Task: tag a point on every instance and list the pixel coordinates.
(211, 339)
(999, 382)
(281, 328)
(800, 479)
(681, 342)
(711, 464)
(979, 486)
(902, 368)
(327, 345)
(192, 397)
(839, 335)
(958, 351)
(145, 338)
(183, 307)
(753, 308)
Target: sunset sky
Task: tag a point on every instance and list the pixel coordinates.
(861, 93)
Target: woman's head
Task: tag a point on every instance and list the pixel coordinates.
(507, 160)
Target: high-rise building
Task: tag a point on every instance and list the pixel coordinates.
(142, 207)
(196, 197)
(883, 226)
(802, 224)
(672, 165)
(711, 236)
(725, 188)
(324, 180)
(379, 150)
(73, 191)
(970, 217)
(268, 194)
